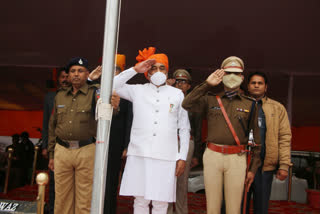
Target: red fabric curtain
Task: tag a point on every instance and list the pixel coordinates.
(306, 139)
(18, 121)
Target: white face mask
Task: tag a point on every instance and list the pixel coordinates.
(158, 78)
(232, 81)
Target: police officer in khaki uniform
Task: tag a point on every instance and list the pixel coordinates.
(224, 160)
(182, 80)
(72, 131)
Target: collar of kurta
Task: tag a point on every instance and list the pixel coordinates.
(84, 89)
(161, 88)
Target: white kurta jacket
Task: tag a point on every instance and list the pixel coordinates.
(157, 117)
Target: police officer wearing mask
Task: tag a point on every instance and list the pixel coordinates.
(224, 159)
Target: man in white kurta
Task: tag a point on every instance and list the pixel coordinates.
(153, 160)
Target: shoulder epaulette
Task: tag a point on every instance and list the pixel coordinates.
(210, 93)
(62, 89)
(94, 86)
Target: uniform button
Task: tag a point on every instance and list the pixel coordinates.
(154, 134)
(82, 110)
(73, 99)
(71, 110)
(155, 122)
(70, 121)
(157, 100)
(157, 111)
(70, 134)
(158, 91)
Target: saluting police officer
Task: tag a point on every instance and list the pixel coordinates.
(72, 131)
(224, 159)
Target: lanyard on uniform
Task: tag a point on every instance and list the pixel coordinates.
(228, 121)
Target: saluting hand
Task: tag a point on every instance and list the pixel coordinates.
(180, 166)
(216, 77)
(144, 66)
(96, 73)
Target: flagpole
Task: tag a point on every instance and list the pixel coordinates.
(110, 44)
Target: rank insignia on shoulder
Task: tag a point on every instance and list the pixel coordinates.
(243, 110)
(215, 108)
(60, 106)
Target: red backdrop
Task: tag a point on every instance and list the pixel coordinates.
(18, 121)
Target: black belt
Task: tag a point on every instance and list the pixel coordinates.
(81, 142)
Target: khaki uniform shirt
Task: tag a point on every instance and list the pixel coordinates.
(201, 100)
(73, 117)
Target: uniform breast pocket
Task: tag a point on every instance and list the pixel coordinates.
(243, 115)
(84, 114)
(215, 113)
(61, 114)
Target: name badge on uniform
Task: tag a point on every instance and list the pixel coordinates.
(243, 110)
(60, 106)
(171, 107)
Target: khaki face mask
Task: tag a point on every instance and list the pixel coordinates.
(232, 81)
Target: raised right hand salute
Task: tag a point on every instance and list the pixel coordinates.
(144, 66)
(215, 78)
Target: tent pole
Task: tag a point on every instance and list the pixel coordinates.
(289, 109)
(110, 44)
(290, 97)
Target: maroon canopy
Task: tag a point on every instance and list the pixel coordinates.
(278, 37)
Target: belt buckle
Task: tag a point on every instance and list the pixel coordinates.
(222, 149)
(73, 144)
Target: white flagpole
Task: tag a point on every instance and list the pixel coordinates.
(110, 45)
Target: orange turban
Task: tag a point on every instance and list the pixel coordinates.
(121, 61)
(149, 54)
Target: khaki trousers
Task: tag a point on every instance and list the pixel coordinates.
(224, 171)
(181, 204)
(73, 172)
